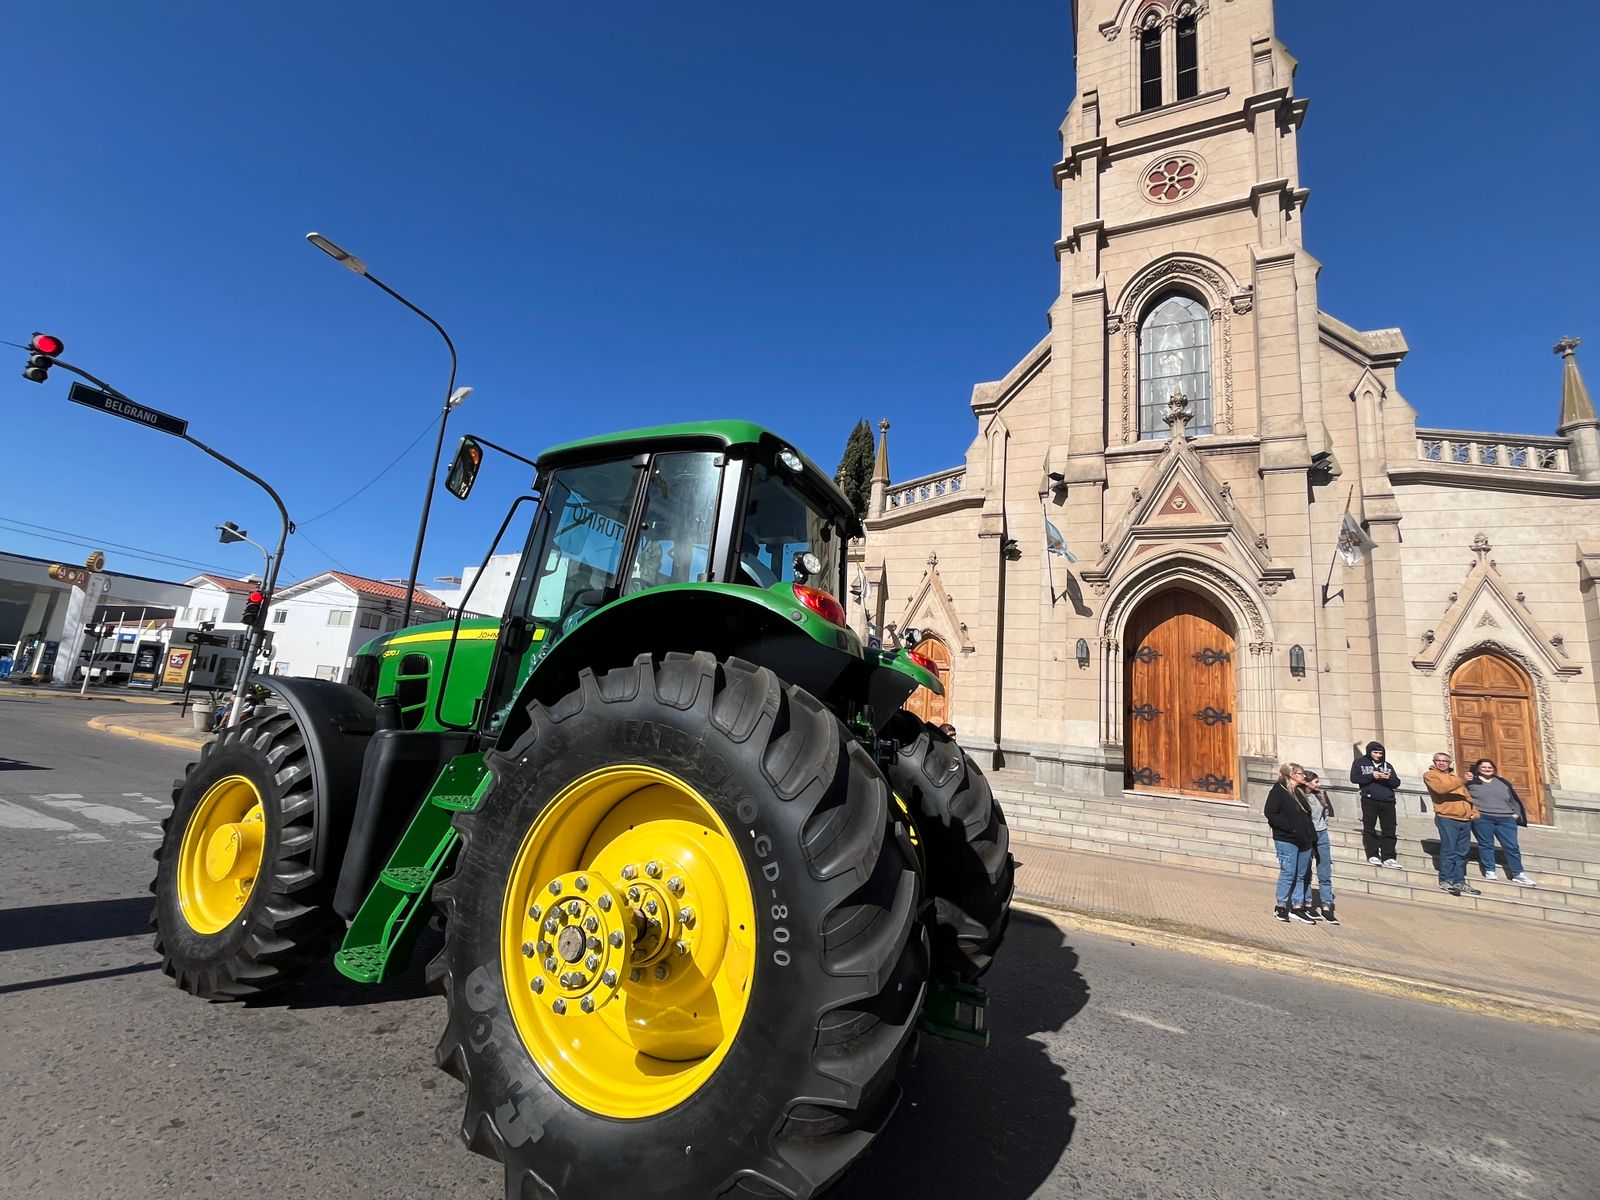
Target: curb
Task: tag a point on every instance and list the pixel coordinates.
(107, 725)
(1220, 946)
(56, 694)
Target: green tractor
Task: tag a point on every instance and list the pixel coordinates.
(701, 878)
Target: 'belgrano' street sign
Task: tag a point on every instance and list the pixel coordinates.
(91, 397)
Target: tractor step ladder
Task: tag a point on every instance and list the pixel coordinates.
(380, 937)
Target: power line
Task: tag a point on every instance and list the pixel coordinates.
(300, 530)
(373, 480)
(66, 537)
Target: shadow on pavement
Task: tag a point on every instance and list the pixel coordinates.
(16, 764)
(993, 1122)
(81, 921)
(324, 987)
(84, 977)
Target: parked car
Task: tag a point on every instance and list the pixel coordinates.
(110, 668)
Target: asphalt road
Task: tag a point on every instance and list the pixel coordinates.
(1115, 1070)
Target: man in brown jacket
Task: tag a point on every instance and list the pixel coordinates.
(1453, 812)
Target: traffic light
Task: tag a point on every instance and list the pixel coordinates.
(252, 608)
(42, 354)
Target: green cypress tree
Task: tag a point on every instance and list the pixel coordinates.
(854, 475)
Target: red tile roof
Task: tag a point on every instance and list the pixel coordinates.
(366, 587)
(242, 587)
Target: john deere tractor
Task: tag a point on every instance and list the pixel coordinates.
(701, 879)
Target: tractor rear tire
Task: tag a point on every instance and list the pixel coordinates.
(970, 871)
(806, 1075)
(245, 806)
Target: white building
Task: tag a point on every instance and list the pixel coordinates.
(492, 590)
(318, 624)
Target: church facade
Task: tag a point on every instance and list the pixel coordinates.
(1199, 529)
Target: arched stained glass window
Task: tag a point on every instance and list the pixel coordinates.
(1150, 67)
(1174, 355)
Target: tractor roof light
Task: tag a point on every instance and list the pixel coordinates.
(821, 603)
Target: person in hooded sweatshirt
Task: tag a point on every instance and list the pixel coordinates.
(1293, 836)
(1378, 782)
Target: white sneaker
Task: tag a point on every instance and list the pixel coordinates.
(1492, 876)
(1375, 861)
(1524, 881)
(1392, 863)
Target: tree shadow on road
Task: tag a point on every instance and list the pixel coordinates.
(79, 921)
(992, 1122)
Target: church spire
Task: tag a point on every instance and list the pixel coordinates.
(878, 497)
(1576, 407)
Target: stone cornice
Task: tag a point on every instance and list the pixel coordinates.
(896, 517)
(1374, 348)
(1476, 478)
(1151, 114)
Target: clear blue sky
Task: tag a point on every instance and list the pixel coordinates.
(640, 212)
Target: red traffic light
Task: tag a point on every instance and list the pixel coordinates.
(47, 343)
(257, 597)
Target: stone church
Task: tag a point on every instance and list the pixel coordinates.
(1137, 579)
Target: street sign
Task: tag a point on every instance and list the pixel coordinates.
(92, 397)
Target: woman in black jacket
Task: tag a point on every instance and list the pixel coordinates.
(1293, 836)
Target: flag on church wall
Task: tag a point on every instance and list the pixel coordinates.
(1354, 542)
(1056, 541)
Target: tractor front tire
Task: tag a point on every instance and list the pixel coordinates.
(971, 874)
(753, 1049)
(234, 908)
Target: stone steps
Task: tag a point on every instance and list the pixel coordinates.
(1234, 838)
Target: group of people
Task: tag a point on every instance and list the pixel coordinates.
(1483, 804)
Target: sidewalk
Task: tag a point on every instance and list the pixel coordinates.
(1502, 962)
(42, 691)
(165, 728)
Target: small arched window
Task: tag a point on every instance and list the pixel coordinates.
(1174, 355)
(1150, 67)
(1188, 59)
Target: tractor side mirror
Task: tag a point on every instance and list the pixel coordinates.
(464, 469)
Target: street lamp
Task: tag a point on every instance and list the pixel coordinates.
(228, 533)
(453, 397)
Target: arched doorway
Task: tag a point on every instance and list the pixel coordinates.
(1179, 651)
(931, 708)
(1492, 716)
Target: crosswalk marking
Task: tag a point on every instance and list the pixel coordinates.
(14, 816)
(104, 814)
(147, 799)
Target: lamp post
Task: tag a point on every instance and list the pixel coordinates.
(453, 397)
(227, 533)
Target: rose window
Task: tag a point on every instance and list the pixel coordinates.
(1171, 179)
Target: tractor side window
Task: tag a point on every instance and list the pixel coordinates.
(779, 529)
(584, 517)
(674, 544)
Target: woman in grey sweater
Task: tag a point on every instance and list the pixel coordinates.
(1321, 810)
(1500, 812)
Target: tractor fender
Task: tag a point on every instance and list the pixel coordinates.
(727, 620)
(337, 722)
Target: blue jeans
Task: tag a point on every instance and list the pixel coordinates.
(1293, 867)
(1324, 862)
(1455, 839)
(1488, 828)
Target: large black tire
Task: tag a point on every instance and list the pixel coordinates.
(971, 874)
(811, 1076)
(285, 925)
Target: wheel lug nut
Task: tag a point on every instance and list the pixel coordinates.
(630, 871)
(635, 975)
(579, 979)
(559, 1007)
(662, 970)
(593, 944)
(555, 887)
(575, 909)
(581, 883)
(683, 948)
(551, 965)
(633, 894)
(544, 946)
(686, 915)
(675, 886)
(527, 949)
(537, 984)
(591, 924)
(609, 977)
(616, 938)
(653, 869)
(650, 906)
(592, 962)
(535, 912)
(551, 924)
(604, 902)
(587, 1004)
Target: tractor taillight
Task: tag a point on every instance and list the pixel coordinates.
(923, 661)
(819, 602)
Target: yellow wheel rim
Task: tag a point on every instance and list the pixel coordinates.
(221, 854)
(628, 941)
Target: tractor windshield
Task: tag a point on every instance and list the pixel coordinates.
(780, 530)
(577, 553)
